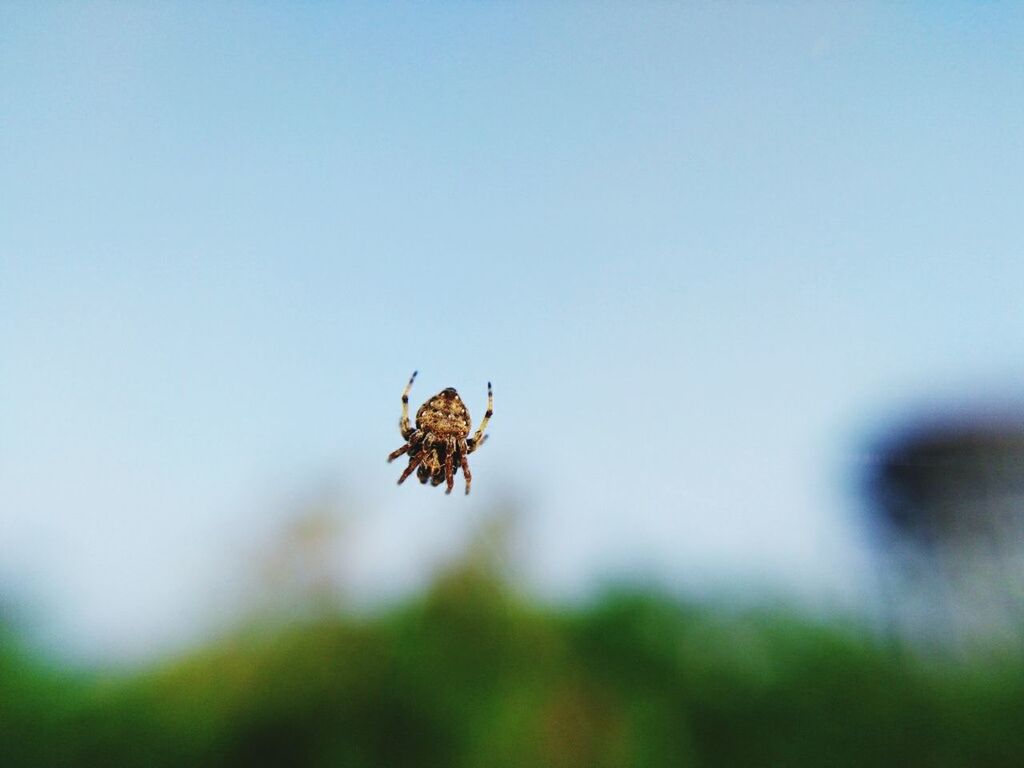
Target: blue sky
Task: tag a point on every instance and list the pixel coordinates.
(701, 251)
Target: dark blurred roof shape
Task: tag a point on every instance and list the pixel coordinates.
(933, 479)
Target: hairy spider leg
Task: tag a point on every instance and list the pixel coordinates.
(466, 472)
(449, 476)
(404, 424)
(477, 440)
(395, 454)
(412, 465)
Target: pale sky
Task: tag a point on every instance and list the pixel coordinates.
(700, 250)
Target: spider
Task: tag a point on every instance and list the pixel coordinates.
(438, 446)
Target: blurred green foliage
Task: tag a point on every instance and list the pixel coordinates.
(471, 674)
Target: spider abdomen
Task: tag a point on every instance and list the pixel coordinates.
(444, 415)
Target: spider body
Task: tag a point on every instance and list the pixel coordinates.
(440, 442)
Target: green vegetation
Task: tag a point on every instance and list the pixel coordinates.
(472, 675)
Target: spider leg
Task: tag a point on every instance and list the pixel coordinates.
(403, 425)
(449, 476)
(395, 454)
(466, 472)
(413, 462)
(478, 437)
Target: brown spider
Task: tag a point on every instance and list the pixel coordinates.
(438, 446)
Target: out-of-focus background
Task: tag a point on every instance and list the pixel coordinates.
(746, 280)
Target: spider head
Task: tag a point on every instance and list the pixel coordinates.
(431, 469)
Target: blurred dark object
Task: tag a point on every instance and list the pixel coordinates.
(947, 508)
